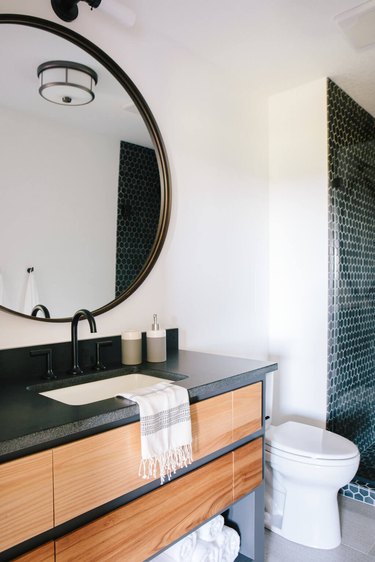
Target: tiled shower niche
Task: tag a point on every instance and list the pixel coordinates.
(351, 321)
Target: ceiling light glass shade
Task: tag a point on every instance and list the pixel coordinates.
(67, 83)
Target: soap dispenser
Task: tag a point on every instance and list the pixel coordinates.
(156, 343)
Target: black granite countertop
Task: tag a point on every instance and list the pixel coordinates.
(30, 422)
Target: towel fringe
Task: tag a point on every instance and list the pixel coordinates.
(167, 463)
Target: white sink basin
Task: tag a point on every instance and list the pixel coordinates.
(80, 394)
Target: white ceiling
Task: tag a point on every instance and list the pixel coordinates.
(271, 45)
(262, 45)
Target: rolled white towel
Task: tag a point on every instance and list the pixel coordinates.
(183, 550)
(220, 540)
(206, 552)
(231, 546)
(212, 529)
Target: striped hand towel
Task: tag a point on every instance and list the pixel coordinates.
(166, 441)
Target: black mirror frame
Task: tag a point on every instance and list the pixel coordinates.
(161, 155)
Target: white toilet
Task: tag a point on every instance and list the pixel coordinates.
(305, 467)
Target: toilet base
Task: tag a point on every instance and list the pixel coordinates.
(309, 519)
(300, 511)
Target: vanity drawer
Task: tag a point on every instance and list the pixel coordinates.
(95, 470)
(26, 498)
(247, 410)
(247, 468)
(143, 527)
(211, 422)
(45, 553)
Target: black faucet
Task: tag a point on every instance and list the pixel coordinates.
(76, 370)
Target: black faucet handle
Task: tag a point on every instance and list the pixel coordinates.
(48, 353)
(99, 365)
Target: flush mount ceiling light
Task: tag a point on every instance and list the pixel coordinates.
(67, 10)
(67, 83)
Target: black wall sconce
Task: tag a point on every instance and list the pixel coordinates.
(67, 10)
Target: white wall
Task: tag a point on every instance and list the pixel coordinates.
(299, 251)
(58, 213)
(211, 278)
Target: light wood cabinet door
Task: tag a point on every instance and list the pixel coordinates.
(96, 470)
(26, 498)
(247, 410)
(45, 553)
(141, 528)
(247, 468)
(211, 424)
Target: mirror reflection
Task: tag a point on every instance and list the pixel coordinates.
(80, 185)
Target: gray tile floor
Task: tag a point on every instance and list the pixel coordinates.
(358, 539)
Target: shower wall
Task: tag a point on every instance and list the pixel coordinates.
(351, 361)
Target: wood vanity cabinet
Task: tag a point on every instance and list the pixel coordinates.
(47, 489)
(98, 469)
(148, 524)
(26, 491)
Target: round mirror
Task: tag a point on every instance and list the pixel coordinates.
(85, 186)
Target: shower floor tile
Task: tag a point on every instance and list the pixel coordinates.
(360, 490)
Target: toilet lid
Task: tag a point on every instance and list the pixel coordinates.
(310, 441)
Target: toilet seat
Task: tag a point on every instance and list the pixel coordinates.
(308, 443)
(275, 456)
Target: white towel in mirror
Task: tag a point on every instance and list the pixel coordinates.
(1, 290)
(31, 293)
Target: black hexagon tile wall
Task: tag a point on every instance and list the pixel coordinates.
(351, 315)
